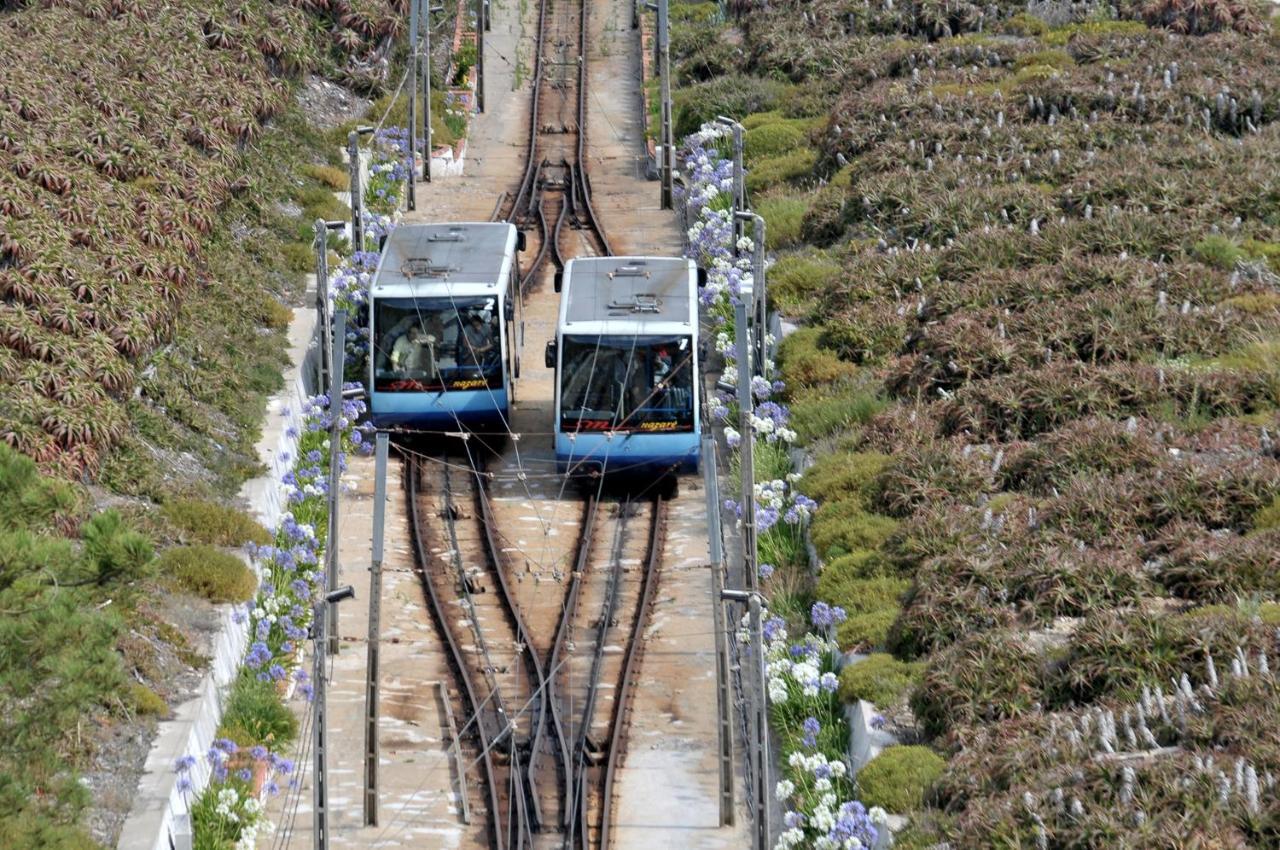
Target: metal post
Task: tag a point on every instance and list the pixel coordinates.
(759, 306)
(488, 19)
(320, 762)
(739, 182)
(761, 749)
(426, 95)
(666, 151)
(357, 199)
(480, 28)
(758, 296)
(747, 454)
(375, 617)
(412, 194)
(322, 297)
(724, 703)
(335, 448)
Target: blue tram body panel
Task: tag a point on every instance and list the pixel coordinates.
(627, 370)
(454, 410)
(632, 455)
(444, 317)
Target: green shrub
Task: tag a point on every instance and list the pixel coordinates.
(700, 13)
(804, 363)
(336, 179)
(1061, 35)
(1024, 24)
(869, 630)
(209, 572)
(860, 595)
(1269, 517)
(30, 499)
(796, 279)
(1218, 251)
(202, 521)
(731, 95)
(146, 701)
(897, 779)
(791, 167)
(861, 563)
(759, 119)
(783, 216)
(824, 411)
(299, 257)
(840, 476)
(114, 551)
(773, 138)
(1048, 58)
(880, 679)
(256, 715)
(839, 528)
(835, 410)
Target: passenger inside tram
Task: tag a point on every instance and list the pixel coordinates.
(428, 344)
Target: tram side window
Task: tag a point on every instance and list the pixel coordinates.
(433, 344)
(626, 383)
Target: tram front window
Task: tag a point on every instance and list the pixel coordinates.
(618, 383)
(434, 344)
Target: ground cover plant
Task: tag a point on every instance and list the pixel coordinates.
(115, 162)
(1041, 268)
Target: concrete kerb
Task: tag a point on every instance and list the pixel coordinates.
(159, 818)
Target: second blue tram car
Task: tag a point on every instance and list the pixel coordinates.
(444, 327)
(627, 370)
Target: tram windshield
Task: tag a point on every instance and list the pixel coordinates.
(434, 344)
(623, 383)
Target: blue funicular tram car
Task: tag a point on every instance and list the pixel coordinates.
(445, 327)
(627, 367)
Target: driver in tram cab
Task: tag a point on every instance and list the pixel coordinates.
(414, 353)
(476, 341)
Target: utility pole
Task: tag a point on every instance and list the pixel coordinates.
(357, 196)
(481, 26)
(335, 475)
(320, 758)
(666, 163)
(375, 624)
(412, 194)
(724, 703)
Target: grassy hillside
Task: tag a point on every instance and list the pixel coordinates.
(116, 160)
(1039, 250)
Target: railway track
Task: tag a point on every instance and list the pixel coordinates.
(554, 195)
(546, 737)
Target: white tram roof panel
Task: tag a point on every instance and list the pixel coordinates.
(638, 289)
(432, 254)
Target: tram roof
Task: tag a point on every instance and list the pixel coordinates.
(649, 289)
(467, 252)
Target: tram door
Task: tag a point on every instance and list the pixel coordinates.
(514, 314)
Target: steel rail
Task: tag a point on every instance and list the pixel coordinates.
(518, 826)
(567, 613)
(580, 766)
(413, 470)
(543, 705)
(635, 649)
